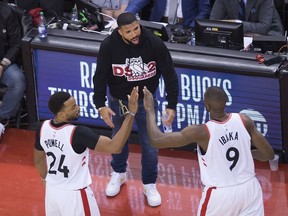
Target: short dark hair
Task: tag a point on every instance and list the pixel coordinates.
(126, 18)
(216, 93)
(57, 100)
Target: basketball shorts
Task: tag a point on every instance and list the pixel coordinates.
(239, 200)
(67, 202)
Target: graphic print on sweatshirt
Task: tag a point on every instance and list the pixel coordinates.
(135, 69)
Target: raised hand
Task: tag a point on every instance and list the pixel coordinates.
(148, 100)
(133, 100)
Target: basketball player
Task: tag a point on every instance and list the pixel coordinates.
(224, 155)
(61, 155)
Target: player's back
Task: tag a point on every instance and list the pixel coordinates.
(228, 160)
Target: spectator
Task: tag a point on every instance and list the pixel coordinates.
(49, 7)
(64, 149)
(10, 73)
(224, 155)
(112, 8)
(130, 56)
(187, 10)
(261, 16)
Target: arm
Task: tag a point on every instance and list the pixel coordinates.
(262, 23)
(114, 145)
(218, 11)
(135, 6)
(203, 11)
(121, 10)
(40, 162)
(188, 135)
(263, 151)
(165, 65)
(116, 12)
(100, 81)
(13, 37)
(103, 71)
(39, 155)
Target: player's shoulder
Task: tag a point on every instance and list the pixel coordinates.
(247, 121)
(82, 128)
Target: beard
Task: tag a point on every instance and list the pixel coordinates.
(130, 43)
(74, 118)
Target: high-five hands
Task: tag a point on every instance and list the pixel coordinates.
(148, 100)
(133, 100)
(107, 113)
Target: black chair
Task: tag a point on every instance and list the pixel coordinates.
(25, 21)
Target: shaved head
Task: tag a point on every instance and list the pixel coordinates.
(215, 99)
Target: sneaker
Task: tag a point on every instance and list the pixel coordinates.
(116, 181)
(153, 196)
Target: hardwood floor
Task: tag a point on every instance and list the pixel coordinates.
(22, 192)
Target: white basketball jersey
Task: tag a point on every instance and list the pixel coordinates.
(228, 160)
(66, 169)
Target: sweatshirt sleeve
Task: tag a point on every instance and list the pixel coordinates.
(165, 66)
(136, 6)
(103, 71)
(14, 38)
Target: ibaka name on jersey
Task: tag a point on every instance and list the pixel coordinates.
(227, 137)
(135, 69)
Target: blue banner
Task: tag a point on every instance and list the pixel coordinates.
(258, 97)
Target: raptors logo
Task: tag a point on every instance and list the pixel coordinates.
(135, 69)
